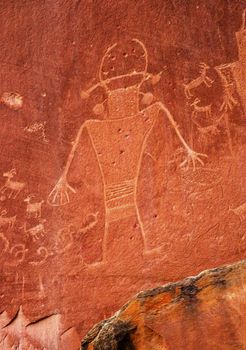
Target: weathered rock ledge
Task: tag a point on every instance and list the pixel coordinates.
(207, 311)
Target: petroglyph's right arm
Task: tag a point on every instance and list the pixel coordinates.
(60, 193)
(192, 156)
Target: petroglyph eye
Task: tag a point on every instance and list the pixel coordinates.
(98, 109)
(147, 98)
(155, 79)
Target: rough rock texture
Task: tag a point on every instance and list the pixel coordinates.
(104, 107)
(203, 312)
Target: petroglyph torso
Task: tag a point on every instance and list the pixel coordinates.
(119, 144)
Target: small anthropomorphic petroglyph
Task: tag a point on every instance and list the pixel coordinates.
(228, 85)
(12, 100)
(201, 115)
(33, 209)
(13, 188)
(39, 129)
(201, 79)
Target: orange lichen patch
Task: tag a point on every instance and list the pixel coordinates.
(207, 311)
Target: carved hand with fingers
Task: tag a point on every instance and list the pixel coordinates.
(60, 193)
(193, 157)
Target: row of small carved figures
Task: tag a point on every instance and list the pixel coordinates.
(229, 101)
(12, 189)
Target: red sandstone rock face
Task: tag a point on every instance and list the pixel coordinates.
(105, 109)
(205, 312)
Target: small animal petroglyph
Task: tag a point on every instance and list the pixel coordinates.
(7, 221)
(201, 109)
(12, 100)
(37, 231)
(43, 253)
(12, 187)
(201, 79)
(38, 127)
(91, 221)
(33, 209)
(239, 211)
(65, 238)
(18, 252)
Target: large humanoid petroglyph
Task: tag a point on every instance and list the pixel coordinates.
(119, 139)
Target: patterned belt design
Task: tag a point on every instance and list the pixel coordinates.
(119, 190)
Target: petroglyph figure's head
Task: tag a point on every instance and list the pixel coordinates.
(122, 70)
(124, 64)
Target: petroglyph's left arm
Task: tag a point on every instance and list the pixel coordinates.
(192, 156)
(60, 193)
